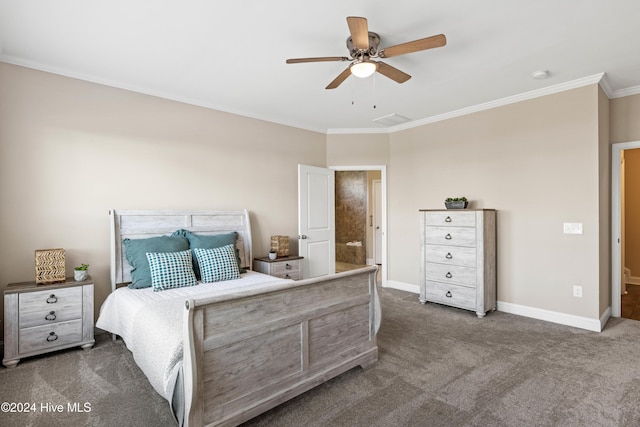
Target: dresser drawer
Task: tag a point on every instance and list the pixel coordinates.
(451, 255)
(451, 219)
(49, 336)
(455, 236)
(465, 276)
(457, 296)
(49, 306)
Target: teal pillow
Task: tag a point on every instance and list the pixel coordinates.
(217, 264)
(136, 252)
(210, 241)
(170, 270)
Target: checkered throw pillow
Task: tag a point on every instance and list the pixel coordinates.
(171, 270)
(217, 264)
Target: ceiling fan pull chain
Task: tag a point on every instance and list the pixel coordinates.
(375, 93)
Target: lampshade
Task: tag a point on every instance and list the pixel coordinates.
(363, 69)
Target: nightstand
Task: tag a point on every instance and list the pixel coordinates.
(287, 267)
(43, 318)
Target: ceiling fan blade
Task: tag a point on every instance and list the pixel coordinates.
(359, 32)
(320, 59)
(338, 80)
(414, 46)
(392, 72)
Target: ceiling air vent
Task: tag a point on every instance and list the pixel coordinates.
(391, 120)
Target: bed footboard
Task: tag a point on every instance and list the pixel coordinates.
(248, 352)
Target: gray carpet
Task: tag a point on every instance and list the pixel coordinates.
(438, 366)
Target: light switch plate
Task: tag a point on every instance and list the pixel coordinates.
(572, 228)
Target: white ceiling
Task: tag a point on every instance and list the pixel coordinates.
(230, 55)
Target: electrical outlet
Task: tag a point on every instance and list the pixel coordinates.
(577, 291)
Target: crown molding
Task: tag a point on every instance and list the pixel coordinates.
(145, 91)
(599, 78)
(634, 90)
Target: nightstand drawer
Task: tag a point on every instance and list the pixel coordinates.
(454, 236)
(49, 306)
(286, 267)
(48, 336)
(451, 255)
(295, 275)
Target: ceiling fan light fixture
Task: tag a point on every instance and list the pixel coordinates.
(363, 69)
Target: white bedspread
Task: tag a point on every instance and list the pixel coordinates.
(156, 341)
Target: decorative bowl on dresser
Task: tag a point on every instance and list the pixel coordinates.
(288, 267)
(43, 318)
(458, 258)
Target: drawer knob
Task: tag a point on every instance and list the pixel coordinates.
(447, 219)
(448, 255)
(287, 276)
(287, 266)
(52, 299)
(52, 336)
(50, 316)
(448, 236)
(448, 275)
(448, 294)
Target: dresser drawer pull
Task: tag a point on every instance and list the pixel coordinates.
(448, 275)
(448, 255)
(51, 316)
(448, 294)
(447, 219)
(287, 266)
(52, 299)
(52, 337)
(448, 236)
(286, 276)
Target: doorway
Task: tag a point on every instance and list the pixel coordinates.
(621, 274)
(360, 217)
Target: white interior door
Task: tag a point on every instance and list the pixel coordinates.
(316, 220)
(377, 221)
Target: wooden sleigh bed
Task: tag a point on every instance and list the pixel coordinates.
(245, 350)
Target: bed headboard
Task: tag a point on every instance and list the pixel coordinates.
(141, 224)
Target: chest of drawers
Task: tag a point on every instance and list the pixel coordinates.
(289, 267)
(43, 318)
(458, 258)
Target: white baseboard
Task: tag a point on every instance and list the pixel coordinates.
(408, 287)
(595, 325)
(633, 281)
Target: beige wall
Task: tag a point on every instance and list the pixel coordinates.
(540, 163)
(358, 150)
(625, 119)
(537, 163)
(72, 150)
(604, 201)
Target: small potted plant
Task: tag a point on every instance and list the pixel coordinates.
(80, 273)
(273, 254)
(456, 202)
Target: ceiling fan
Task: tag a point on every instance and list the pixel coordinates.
(363, 45)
